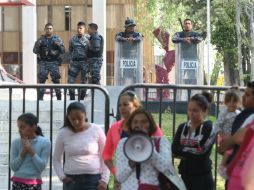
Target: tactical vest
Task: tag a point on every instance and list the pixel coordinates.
(48, 50)
(90, 52)
(79, 48)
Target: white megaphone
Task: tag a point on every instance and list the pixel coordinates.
(138, 147)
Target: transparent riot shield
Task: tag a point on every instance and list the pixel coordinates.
(128, 63)
(189, 65)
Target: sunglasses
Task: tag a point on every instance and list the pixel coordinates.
(130, 93)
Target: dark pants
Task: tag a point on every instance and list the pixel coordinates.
(74, 69)
(46, 67)
(83, 182)
(94, 68)
(199, 182)
(21, 186)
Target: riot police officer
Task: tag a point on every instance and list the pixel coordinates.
(128, 45)
(48, 48)
(78, 46)
(187, 36)
(129, 35)
(94, 54)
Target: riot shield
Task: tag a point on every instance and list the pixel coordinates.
(189, 65)
(128, 63)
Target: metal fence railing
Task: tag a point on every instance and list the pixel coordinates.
(17, 99)
(159, 99)
(165, 99)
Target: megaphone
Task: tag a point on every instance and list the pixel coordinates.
(138, 147)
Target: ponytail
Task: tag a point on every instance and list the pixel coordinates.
(38, 131)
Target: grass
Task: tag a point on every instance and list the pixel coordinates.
(167, 128)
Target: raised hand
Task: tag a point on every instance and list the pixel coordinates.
(57, 43)
(27, 148)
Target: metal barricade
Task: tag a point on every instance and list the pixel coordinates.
(171, 106)
(18, 99)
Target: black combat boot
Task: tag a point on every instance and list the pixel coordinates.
(58, 95)
(82, 94)
(40, 95)
(72, 95)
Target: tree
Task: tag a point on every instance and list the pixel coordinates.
(239, 40)
(163, 13)
(249, 10)
(224, 37)
(229, 37)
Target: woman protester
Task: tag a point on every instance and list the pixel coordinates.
(128, 102)
(83, 143)
(29, 154)
(144, 175)
(193, 143)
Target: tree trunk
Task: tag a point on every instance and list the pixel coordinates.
(231, 74)
(239, 41)
(249, 10)
(252, 43)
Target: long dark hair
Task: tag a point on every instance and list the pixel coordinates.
(203, 100)
(31, 120)
(250, 84)
(152, 126)
(73, 106)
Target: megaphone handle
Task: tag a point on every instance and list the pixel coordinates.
(138, 171)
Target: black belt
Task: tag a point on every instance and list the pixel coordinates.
(79, 59)
(49, 60)
(94, 57)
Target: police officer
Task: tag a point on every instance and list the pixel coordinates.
(78, 46)
(94, 54)
(129, 35)
(127, 44)
(48, 48)
(187, 36)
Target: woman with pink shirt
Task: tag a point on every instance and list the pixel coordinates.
(247, 174)
(239, 170)
(83, 143)
(128, 102)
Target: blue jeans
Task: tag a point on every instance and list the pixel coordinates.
(83, 182)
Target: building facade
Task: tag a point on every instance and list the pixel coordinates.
(65, 14)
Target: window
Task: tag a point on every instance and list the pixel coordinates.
(67, 12)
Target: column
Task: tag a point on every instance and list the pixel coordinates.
(29, 36)
(99, 17)
(1, 20)
(1, 30)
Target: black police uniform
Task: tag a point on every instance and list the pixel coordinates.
(78, 46)
(48, 51)
(94, 55)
